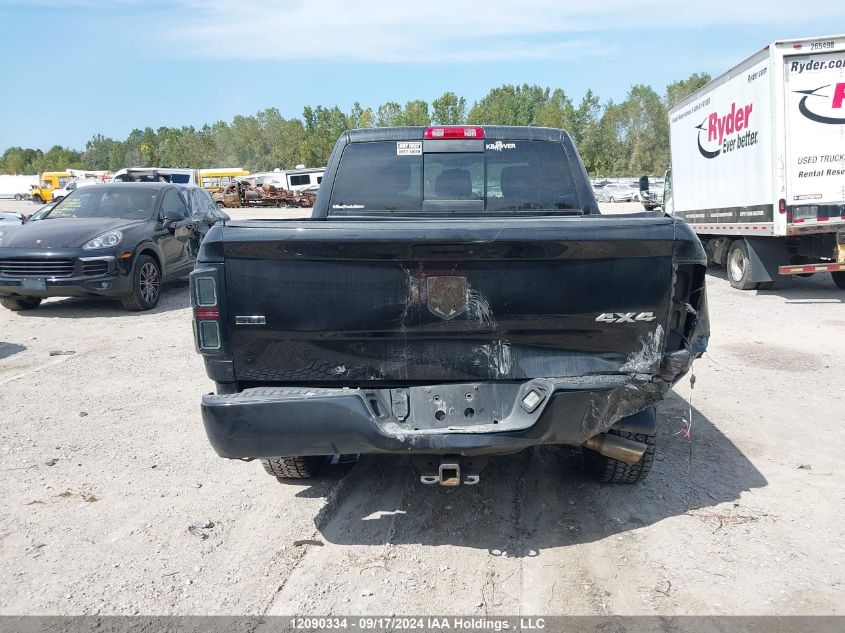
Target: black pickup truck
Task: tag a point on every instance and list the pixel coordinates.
(456, 294)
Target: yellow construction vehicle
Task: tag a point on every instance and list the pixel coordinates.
(50, 180)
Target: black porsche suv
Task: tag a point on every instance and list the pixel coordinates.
(121, 240)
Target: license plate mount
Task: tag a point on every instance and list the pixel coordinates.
(34, 284)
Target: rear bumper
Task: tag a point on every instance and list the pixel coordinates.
(801, 269)
(279, 421)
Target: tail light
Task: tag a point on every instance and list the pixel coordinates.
(454, 131)
(206, 314)
(206, 291)
(809, 212)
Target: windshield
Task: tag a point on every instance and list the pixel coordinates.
(508, 176)
(126, 203)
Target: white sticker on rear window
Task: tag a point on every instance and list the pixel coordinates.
(498, 146)
(409, 148)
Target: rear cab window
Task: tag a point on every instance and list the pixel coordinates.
(494, 177)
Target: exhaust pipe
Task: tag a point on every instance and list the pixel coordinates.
(616, 447)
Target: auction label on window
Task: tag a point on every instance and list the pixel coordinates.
(409, 148)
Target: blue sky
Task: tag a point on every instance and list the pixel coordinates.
(74, 68)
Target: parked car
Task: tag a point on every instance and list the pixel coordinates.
(121, 240)
(412, 314)
(73, 185)
(616, 192)
(11, 218)
(175, 176)
(651, 193)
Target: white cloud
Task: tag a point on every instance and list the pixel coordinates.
(444, 31)
(369, 31)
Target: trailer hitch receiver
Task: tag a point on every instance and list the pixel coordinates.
(449, 470)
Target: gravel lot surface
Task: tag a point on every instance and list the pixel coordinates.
(114, 502)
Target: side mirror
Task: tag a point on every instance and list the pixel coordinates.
(170, 218)
(644, 183)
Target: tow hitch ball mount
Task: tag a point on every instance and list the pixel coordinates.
(450, 470)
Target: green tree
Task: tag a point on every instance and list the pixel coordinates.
(201, 148)
(585, 117)
(557, 111)
(415, 113)
(625, 138)
(601, 147)
(58, 158)
(509, 105)
(361, 117)
(678, 90)
(98, 152)
(323, 126)
(15, 161)
(449, 109)
(389, 114)
(283, 137)
(632, 137)
(171, 147)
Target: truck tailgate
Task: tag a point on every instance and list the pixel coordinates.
(405, 302)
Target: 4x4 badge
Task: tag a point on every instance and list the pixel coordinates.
(625, 317)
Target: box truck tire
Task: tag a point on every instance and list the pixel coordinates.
(839, 279)
(739, 266)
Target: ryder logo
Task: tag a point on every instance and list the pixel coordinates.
(723, 131)
(815, 109)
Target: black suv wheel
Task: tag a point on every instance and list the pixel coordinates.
(20, 303)
(146, 285)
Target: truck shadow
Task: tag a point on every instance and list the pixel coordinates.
(536, 499)
(816, 289)
(10, 349)
(174, 296)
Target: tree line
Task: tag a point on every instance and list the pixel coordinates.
(628, 138)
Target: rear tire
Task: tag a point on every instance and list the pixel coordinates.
(739, 266)
(607, 470)
(37, 199)
(146, 285)
(299, 467)
(839, 278)
(18, 197)
(16, 304)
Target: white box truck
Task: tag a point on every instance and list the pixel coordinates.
(758, 163)
(17, 187)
